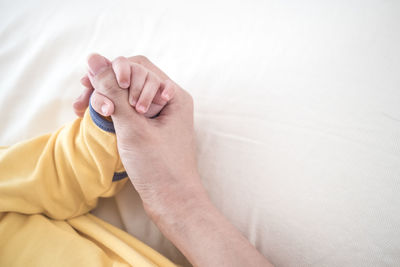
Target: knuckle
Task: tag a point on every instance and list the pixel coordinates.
(138, 69)
(170, 85)
(141, 59)
(120, 59)
(108, 84)
(134, 68)
(154, 78)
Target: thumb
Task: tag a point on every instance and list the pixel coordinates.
(101, 104)
(105, 83)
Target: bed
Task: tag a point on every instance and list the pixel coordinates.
(297, 111)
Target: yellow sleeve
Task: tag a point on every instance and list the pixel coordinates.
(62, 174)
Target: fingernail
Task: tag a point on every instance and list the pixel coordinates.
(104, 109)
(124, 84)
(97, 63)
(141, 109)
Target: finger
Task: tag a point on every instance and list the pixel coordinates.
(102, 76)
(159, 102)
(138, 79)
(153, 110)
(101, 104)
(97, 64)
(181, 101)
(81, 103)
(149, 91)
(122, 70)
(86, 82)
(157, 105)
(165, 93)
(158, 99)
(144, 61)
(168, 91)
(105, 83)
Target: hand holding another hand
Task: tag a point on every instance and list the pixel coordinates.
(159, 155)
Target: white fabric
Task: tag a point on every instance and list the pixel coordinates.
(297, 110)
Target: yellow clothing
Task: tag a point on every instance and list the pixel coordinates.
(47, 187)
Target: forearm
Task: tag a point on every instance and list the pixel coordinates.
(203, 234)
(159, 156)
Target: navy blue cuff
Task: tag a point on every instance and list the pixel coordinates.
(107, 126)
(119, 176)
(100, 121)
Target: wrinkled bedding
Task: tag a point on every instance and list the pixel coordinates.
(297, 111)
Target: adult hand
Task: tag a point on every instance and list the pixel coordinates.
(158, 154)
(159, 157)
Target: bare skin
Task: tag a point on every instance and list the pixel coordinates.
(159, 157)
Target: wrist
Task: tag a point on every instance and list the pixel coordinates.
(177, 204)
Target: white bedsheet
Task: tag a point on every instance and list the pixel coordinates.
(297, 109)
